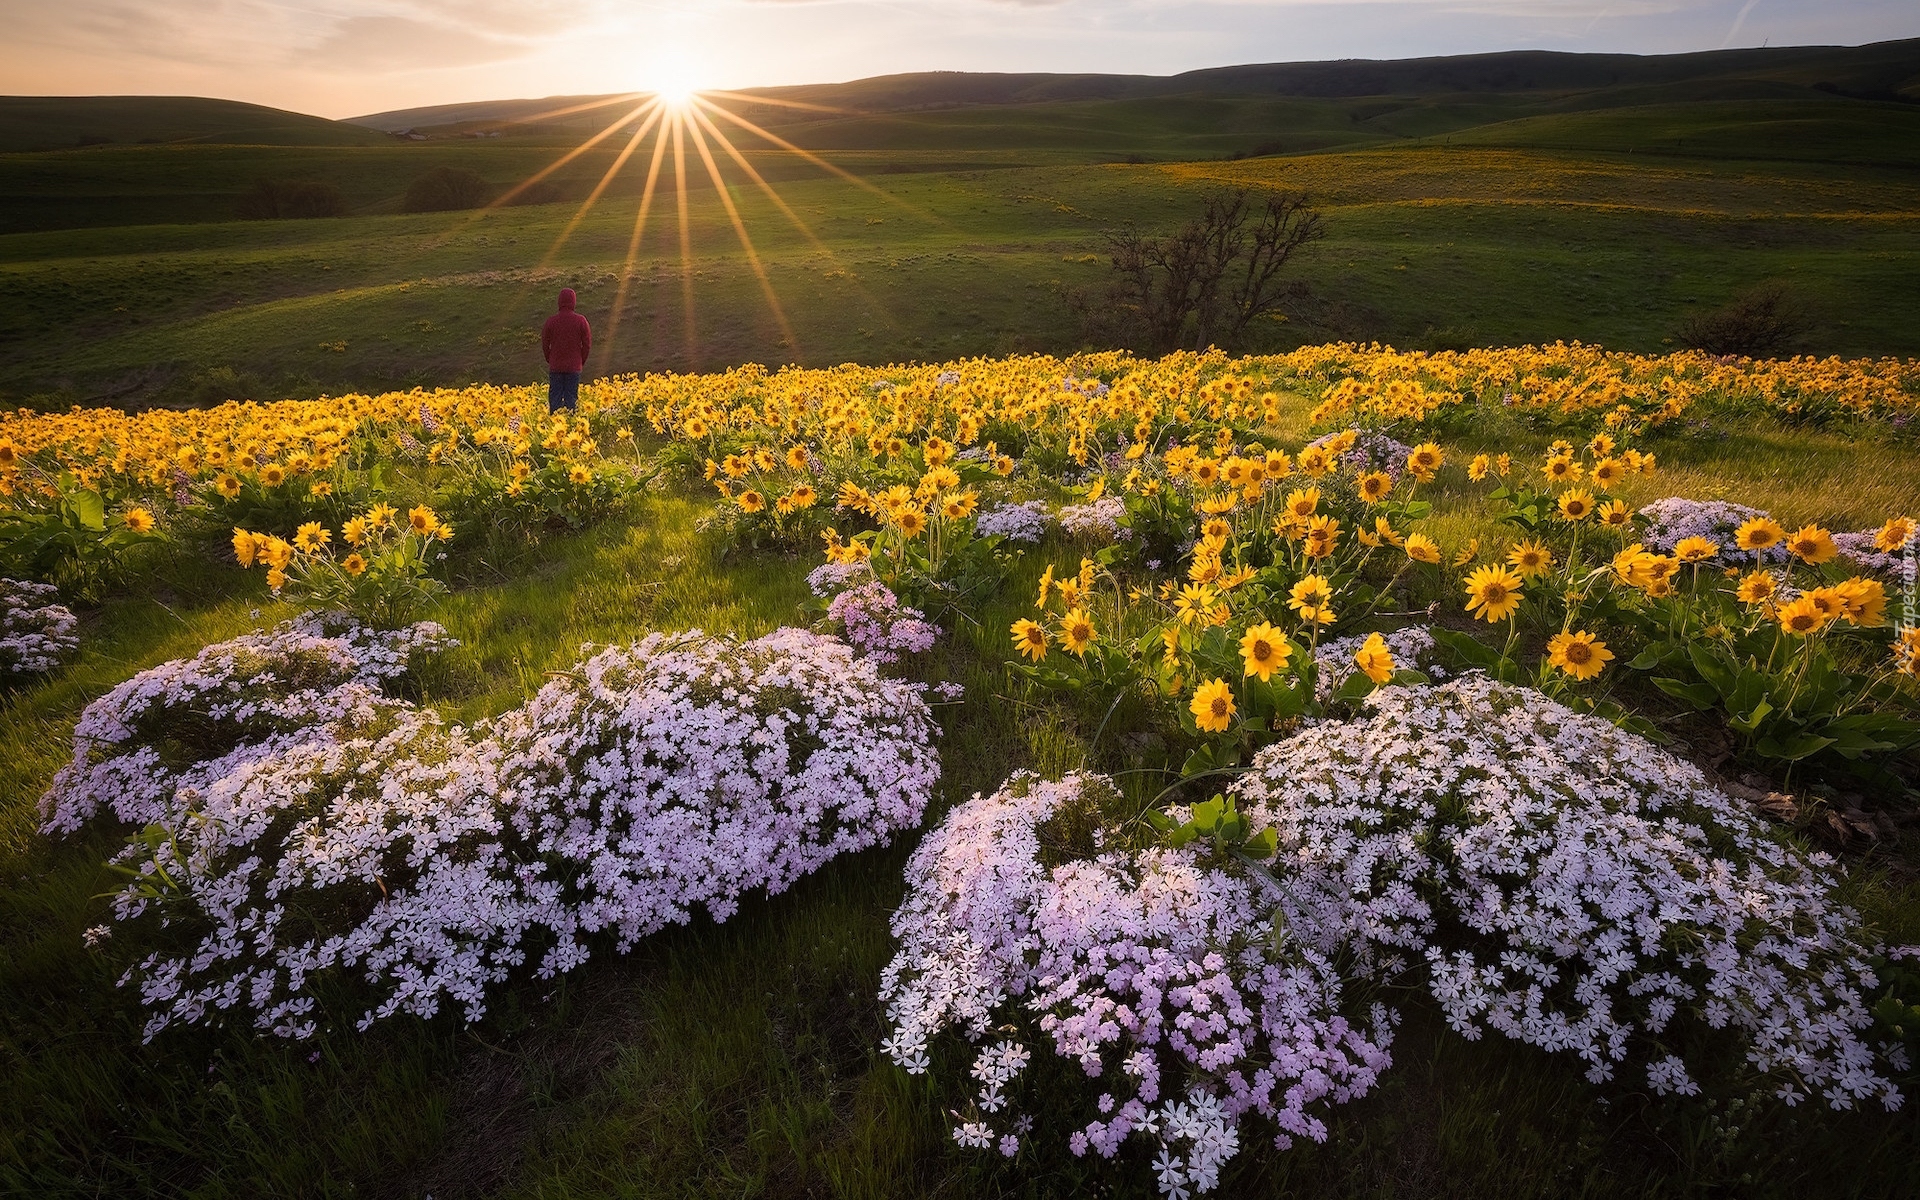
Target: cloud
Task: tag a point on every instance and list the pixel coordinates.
(392, 43)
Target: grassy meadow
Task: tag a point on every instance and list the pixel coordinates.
(743, 1059)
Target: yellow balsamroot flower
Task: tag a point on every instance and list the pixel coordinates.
(1374, 658)
(1757, 588)
(1323, 536)
(1278, 465)
(380, 516)
(1761, 533)
(1863, 601)
(1213, 706)
(1215, 530)
(1696, 549)
(276, 578)
(855, 497)
(1170, 642)
(245, 546)
(763, 460)
(320, 490)
(1215, 505)
(1576, 505)
(1046, 586)
(444, 532)
(1205, 472)
(1303, 503)
(783, 505)
(1801, 617)
(939, 479)
(1828, 601)
(1578, 654)
(1530, 558)
(273, 475)
(1601, 446)
(750, 501)
(911, 522)
(1503, 464)
(937, 451)
(1425, 459)
(354, 531)
(1608, 471)
(1897, 532)
(1561, 469)
(311, 537)
(1421, 548)
(1615, 514)
(1069, 590)
(1374, 486)
(1494, 592)
(1195, 603)
(1030, 639)
(1076, 631)
(1265, 650)
(1384, 530)
(803, 496)
(1312, 598)
(422, 520)
(139, 520)
(1468, 553)
(353, 564)
(579, 473)
(227, 486)
(1812, 544)
(1478, 468)
(797, 457)
(1003, 465)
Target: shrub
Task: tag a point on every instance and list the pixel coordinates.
(306, 832)
(1762, 323)
(1553, 878)
(684, 770)
(283, 199)
(1167, 979)
(445, 189)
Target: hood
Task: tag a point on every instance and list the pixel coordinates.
(566, 300)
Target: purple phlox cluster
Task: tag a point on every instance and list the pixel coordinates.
(685, 769)
(1024, 522)
(1413, 649)
(1371, 451)
(1861, 549)
(188, 722)
(1558, 880)
(949, 690)
(304, 824)
(1676, 517)
(878, 626)
(1165, 980)
(1099, 520)
(429, 424)
(947, 378)
(37, 632)
(830, 579)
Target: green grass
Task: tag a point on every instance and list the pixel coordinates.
(742, 1059)
(1426, 244)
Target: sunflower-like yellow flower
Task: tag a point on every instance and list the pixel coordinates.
(1195, 604)
(1576, 505)
(1076, 631)
(751, 501)
(1579, 654)
(1421, 548)
(1264, 650)
(1895, 534)
(1373, 486)
(1478, 468)
(1374, 658)
(1863, 601)
(245, 546)
(1761, 533)
(1312, 598)
(911, 522)
(311, 536)
(797, 457)
(1757, 587)
(1906, 651)
(1213, 706)
(1615, 514)
(1424, 460)
(139, 520)
(1802, 617)
(1530, 558)
(1812, 544)
(1030, 638)
(353, 564)
(1696, 549)
(1493, 592)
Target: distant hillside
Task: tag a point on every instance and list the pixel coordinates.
(1881, 71)
(63, 122)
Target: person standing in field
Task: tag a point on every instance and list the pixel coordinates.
(565, 340)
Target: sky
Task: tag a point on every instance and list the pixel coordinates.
(340, 58)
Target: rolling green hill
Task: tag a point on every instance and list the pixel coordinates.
(64, 122)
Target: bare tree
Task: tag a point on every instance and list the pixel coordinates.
(1207, 282)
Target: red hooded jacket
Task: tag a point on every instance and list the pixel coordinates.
(566, 337)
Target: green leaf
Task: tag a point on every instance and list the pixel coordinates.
(88, 509)
(1793, 749)
(1751, 721)
(1699, 695)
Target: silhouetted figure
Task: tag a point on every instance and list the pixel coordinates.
(565, 340)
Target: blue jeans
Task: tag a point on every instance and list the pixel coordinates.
(563, 389)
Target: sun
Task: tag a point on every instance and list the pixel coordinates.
(678, 96)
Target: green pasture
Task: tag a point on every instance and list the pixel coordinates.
(1427, 245)
(742, 1059)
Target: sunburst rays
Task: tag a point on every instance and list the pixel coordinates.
(672, 121)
